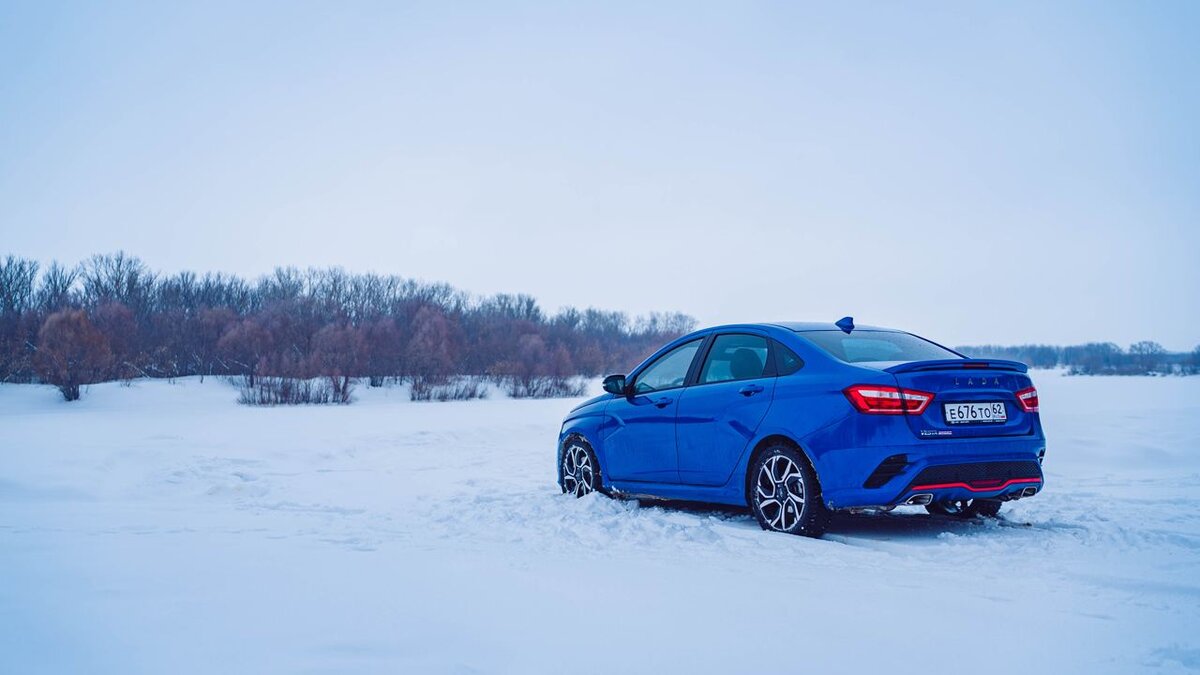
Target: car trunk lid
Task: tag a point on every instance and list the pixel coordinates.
(972, 398)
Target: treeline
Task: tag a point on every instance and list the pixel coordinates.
(1096, 358)
(112, 318)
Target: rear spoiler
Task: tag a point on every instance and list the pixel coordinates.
(959, 364)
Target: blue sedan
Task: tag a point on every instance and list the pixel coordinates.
(797, 420)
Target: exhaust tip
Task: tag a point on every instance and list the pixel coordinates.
(1028, 492)
(919, 500)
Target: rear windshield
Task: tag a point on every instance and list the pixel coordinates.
(866, 346)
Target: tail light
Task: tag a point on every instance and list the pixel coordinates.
(1028, 399)
(875, 399)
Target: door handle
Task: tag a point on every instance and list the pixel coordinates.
(750, 389)
(664, 402)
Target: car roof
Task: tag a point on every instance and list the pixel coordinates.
(801, 326)
(797, 326)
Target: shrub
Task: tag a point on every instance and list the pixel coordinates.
(71, 352)
(543, 387)
(266, 390)
(456, 389)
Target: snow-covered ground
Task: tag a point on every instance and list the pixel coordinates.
(161, 528)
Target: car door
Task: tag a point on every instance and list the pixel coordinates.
(719, 414)
(641, 446)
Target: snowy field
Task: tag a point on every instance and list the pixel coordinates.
(162, 528)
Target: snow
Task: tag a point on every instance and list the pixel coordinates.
(160, 527)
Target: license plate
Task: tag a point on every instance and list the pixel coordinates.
(983, 412)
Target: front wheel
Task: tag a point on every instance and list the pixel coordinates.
(785, 495)
(965, 508)
(579, 470)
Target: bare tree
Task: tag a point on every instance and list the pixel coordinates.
(207, 329)
(430, 353)
(246, 344)
(1147, 355)
(190, 324)
(116, 322)
(527, 365)
(117, 277)
(57, 288)
(18, 279)
(384, 351)
(338, 354)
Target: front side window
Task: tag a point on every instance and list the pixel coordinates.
(669, 370)
(735, 357)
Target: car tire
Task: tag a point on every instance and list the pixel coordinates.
(785, 495)
(578, 469)
(968, 508)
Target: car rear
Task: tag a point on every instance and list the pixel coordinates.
(930, 425)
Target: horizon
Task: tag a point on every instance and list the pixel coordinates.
(733, 163)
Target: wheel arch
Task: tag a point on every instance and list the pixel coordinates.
(578, 435)
(761, 447)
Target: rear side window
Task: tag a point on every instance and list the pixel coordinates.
(786, 361)
(865, 346)
(735, 357)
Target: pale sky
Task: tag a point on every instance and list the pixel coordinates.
(1001, 172)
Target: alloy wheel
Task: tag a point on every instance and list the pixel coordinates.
(779, 493)
(579, 476)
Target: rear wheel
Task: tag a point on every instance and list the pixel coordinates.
(965, 508)
(785, 495)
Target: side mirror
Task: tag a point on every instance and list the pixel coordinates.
(615, 384)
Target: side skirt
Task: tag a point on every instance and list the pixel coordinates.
(723, 494)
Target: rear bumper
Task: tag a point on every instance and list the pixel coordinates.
(953, 470)
(976, 480)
